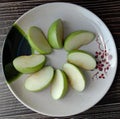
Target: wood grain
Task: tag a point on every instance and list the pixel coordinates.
(108, 11)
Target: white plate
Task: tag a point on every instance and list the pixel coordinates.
(98, 82)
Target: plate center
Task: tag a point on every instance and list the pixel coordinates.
(57, 58)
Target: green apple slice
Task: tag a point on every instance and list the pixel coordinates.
(38, 40)
(29, 63)
(55, 34)
(59, 85)
(75, 76)
(82, 59)
(40, 80)
(77, 39)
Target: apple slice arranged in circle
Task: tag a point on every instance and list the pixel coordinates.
(78, 38)
(59, 85)
(38, 40)
(55, 34)
(29, 63)
(82, 59)
(40, 79)
(75, 76)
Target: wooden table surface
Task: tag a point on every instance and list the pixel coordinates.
(108, 11)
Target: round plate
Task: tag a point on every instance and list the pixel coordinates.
(74, 18)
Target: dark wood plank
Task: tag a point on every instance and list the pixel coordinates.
(108, 11)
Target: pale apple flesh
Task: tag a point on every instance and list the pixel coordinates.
(29, 63)
(38, 40)
(82, 59)
(59, 86)
(75, 76)
(77, 39)
(40, 80)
